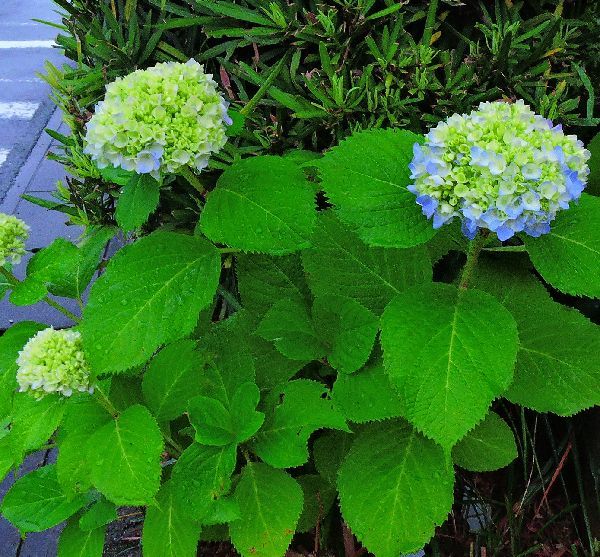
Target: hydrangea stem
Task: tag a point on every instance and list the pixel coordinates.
(192, 179)
(12, 279)
(105, 401)
(475, 247)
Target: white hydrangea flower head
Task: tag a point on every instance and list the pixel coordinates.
(53, 361)
(157, 120)
(13, 235)
(502, 168)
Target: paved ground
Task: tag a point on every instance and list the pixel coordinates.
(25, 110)
(24, 103)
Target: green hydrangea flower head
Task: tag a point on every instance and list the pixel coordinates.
(53, 362)
(502, 168)
(156, 121)
(13, 235)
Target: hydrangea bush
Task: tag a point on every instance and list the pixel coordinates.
(291, 358)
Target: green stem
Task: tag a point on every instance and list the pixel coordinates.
(230, 298)
(14, 281)
(225, 251)
(178, 449)
(192, 179)
(105, 401)
(475, 247)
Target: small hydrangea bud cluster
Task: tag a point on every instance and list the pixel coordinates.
(501, 168)
(53, 362)
(158, 120)
(13, 235)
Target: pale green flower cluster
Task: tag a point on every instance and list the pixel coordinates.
(53, 362)
(158, 120)
(13, 235)
(501, 167)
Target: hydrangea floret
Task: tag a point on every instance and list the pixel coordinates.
(53, 362)
(501, 167)
(13, 235)
(158, 120)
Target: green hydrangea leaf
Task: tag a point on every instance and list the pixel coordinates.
(34, 422)
(319, 497)
(367, 395)
(219, 424)
(6, 458)
(558, 367)
(11, 343)
(65, 269)
(569, 256)
(339, 263)
(172, 379)
(28, 292)
(365, 177)
(270, 502)
(395, 488)
(263, 280)
(261, 204)
(75, 542)
(349, 330)
(100, 514)
(295, 411)
(168, 529)
(490, 446)
(289, 326)
(138, 200)
(125, 457)
(449, 238)
(329, 451)
(36, 502)
(116, 175)
(151, 294)
(202, 476)
(5, 284)
(450, 352)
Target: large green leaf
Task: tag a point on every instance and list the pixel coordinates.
(75, 542)
(263, 280)
(101, 513)
(168, 529)
(348, 330)
(270, 503)
(490, 446)
(395, 487)
(220, 424)
(262, 204)
(367, 395)
(450, 352)
(329, 451)
(202, 476)
(569, 256)
(295, 411)
(172, 379)
(339, 263)
(11, 343)
(137, 202)
(289, 326)
(366, 177)
(558, 362)
(150, 294)
(125, 457)
(36, 502)
(34, 422)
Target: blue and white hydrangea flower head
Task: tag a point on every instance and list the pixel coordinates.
(13, 235)
(501, 168)
(53, 362)
(158, 120)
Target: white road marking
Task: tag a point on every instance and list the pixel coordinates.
(23, 110)
(27, 44)
(3, 156)
(32, 80)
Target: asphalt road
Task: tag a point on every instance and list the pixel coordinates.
(25, 106)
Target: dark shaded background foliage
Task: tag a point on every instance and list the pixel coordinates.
(306, 74)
